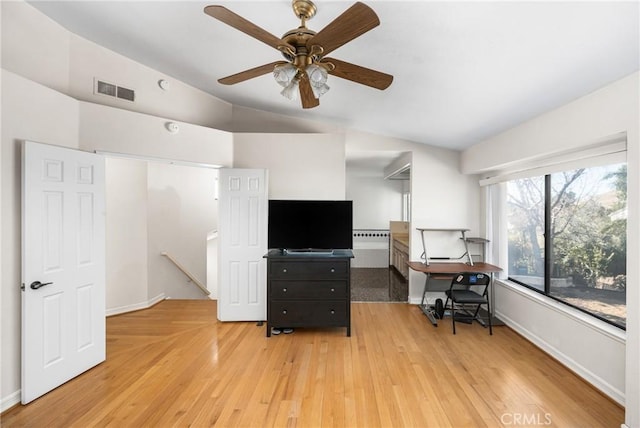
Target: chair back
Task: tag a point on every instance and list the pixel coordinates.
(467, 279)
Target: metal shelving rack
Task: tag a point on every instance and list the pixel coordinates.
(463, 237)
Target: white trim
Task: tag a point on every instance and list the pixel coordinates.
(611, 152)
(136, 306)
(157, 159)
(585, 319)
(10, 400)
(399, 164)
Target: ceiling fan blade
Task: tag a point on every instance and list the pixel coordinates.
(358, 74)
(355, 21)
(223, 14)
(306, 94)
(249, 74)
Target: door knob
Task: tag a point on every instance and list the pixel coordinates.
(37, 284)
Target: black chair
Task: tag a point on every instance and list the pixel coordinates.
(469, 291)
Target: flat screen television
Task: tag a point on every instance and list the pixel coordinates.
(299, 225)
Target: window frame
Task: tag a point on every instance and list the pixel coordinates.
(546, 291)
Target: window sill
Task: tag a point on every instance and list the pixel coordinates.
(589, 321)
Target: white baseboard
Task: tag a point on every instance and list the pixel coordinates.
(10, 401)
(606, 388)
(431, 298)
(136, 306)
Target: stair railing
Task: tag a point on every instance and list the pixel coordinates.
(192, 278)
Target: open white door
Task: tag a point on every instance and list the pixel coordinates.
(242, 238)
(63, 266)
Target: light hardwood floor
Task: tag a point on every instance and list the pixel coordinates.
(175, 365)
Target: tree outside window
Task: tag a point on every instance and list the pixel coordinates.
(567, 238)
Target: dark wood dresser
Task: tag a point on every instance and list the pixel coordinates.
(308, 289)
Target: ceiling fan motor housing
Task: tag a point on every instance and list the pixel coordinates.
(298, 39)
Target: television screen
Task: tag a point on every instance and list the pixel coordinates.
(306, 225)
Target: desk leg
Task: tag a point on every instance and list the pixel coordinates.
(429, 312)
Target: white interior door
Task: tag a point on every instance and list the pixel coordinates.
(63, 266)
(242, 238)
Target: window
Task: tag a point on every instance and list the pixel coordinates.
(567, 238)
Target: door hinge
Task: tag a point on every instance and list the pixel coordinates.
(22, 287)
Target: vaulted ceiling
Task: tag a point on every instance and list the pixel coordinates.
(463, 71)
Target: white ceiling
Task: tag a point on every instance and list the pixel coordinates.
(463, 71)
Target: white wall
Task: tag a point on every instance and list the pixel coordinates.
(301, 166)
(248, 120)
(440, 196)
(176, 195)
(608, 111)
(376, 201)
(182, 210)
(29, 112)
(26, 30)
(121, 131)
(126, 243)
(41, 50)
(155, 207)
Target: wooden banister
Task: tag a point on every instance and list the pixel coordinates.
(186, 272)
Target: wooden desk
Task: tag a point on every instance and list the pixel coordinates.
(446, 271)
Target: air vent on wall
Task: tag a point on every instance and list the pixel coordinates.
(126, 94)
(111, 90)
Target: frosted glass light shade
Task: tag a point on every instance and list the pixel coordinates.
(285, 74)
(318, 79)
(291, 90)
(318, 91)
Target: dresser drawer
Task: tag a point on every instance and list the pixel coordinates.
(309, 270)
(308, 313)
(292, 289)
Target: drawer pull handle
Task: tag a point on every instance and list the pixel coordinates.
(284, 290)
(284, 312)
(284, 270)
(332, 312)
(333, 289)
(333, 270)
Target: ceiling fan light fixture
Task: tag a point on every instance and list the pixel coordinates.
(291, 90)
(319, 91)
(285, 74)
(318, 78)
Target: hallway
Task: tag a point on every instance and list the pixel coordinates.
(378, 285)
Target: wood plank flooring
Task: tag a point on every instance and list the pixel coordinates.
(175, 365)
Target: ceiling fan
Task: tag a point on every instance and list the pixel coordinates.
(307, 67)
